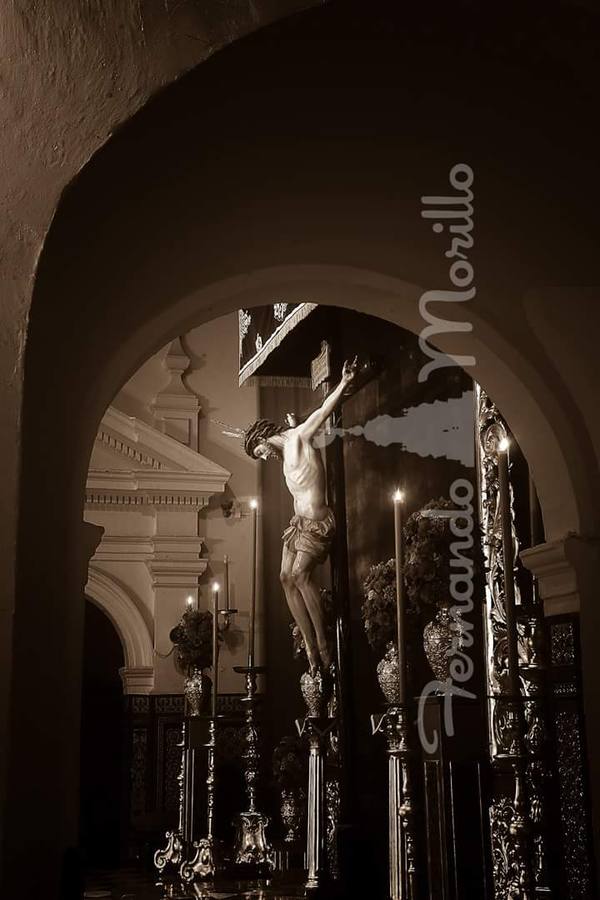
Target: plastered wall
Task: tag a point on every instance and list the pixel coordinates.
(211, 377)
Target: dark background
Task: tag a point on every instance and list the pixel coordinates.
(367, 475)
(103, 747)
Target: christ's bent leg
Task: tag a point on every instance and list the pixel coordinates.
(303, 576)
(298, 609)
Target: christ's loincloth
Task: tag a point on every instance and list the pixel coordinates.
(312, 536)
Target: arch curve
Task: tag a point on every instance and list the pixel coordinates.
(528, 400)
(330, 190)
(116, 603)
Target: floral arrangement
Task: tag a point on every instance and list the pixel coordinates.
(379, 604)
(428, 555)
(290, 764)
(192, 641)
(427, 571)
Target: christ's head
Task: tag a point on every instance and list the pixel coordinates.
(263, 441)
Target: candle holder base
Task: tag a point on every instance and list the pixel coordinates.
(171, 855)
(252, 849)
(167, 861)
(203, 864)
(394, 723)
(252, 846)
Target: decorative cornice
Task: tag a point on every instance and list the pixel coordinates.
(163, 473)
(177, 573)
(556, 576)
(104, 499)
(124, 548)
(123, 448)
(176, 561)
(141, 548)
(137, 679)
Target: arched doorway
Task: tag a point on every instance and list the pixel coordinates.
(122, 274)
(102, 741)
(208, 405)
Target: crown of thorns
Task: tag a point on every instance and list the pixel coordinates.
(253, 435)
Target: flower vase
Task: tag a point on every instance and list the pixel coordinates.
(196, 689)
(438, 643)
(388, 674)
(313, 689)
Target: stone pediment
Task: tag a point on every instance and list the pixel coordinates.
(134, 464)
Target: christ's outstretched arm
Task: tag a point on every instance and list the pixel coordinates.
(307, 430)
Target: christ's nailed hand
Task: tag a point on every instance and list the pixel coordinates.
(349, 370)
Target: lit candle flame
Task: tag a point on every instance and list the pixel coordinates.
(190, 602)
(254, 503)
(504, 445)
(398, 496)
(215, 587)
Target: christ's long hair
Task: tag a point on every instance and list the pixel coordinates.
(258, 433)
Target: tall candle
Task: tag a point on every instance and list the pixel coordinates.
(509, 570)
(400, 604)
(226, 581)
(215, 648)
(253, 544)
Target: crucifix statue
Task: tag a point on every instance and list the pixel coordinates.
(307, 540)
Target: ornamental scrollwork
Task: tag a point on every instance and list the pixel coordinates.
(507, 866)
(172, 854)
(562, 644)
(279, 311)
(491, 429)
(333, 816)
(244, 319)
(573, 810)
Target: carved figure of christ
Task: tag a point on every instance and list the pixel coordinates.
(307, 540)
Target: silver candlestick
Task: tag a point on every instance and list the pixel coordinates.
(204, 862)
(251, 843)
(395, 724)
(168, 860)
(316, 727)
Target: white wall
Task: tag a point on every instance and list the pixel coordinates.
(213, 377)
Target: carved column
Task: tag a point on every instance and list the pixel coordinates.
(514, 675)
(557, 568)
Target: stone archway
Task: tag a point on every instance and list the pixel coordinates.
(504, 371)
(121, 275)
(129, 623)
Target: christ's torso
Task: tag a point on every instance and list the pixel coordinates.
(305, 476)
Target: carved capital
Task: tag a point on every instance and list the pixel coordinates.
(137, 679)
(560, 568)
